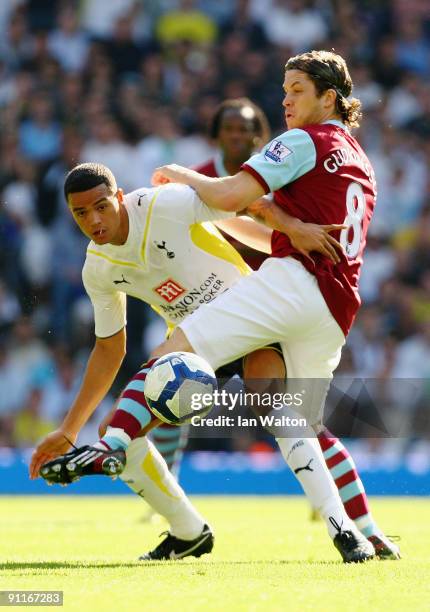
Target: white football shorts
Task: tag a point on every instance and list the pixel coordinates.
(281, 302)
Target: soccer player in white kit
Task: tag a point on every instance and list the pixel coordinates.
(141, 247)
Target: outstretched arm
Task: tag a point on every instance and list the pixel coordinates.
(230, 193)
(247, 231)
(103, 365)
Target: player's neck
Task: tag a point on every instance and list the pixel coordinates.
(124, 228)
(330, 116)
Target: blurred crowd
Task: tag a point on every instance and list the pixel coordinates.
(134, 84)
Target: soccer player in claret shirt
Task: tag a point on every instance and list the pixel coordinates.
(318, 172)
(240, 128)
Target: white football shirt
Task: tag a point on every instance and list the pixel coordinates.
(171, 259)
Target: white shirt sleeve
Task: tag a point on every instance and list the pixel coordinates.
(183, 202)
(110, 307)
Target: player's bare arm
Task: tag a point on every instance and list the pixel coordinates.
(230, 193)
(103, 365)
(305, 237)
(243, 192)
(249, 232)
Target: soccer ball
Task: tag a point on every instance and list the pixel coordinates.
(175, 385)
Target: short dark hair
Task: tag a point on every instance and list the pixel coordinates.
(259, 119)
(328, 70)
(86, 176)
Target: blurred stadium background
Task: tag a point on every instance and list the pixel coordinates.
(134, 84)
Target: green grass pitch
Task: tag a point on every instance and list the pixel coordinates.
(268, 556)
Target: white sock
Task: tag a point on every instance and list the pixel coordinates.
(146, 473)
(100, 445)
(304, 456)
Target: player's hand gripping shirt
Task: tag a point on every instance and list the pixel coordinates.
(169, 260)
(320, 174)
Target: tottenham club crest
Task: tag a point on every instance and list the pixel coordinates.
(277, 152)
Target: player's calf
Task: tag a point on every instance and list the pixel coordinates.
(132, 414)
(351, 490)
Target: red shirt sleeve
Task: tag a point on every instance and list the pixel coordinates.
(257, 177)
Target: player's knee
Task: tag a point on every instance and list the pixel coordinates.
(264, 363)
(264, 373)
(318, 427)
(177, 342)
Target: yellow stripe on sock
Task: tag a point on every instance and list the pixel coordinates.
(150, 467)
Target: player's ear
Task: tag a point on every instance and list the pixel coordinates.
(330, 98)
(120, 195)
